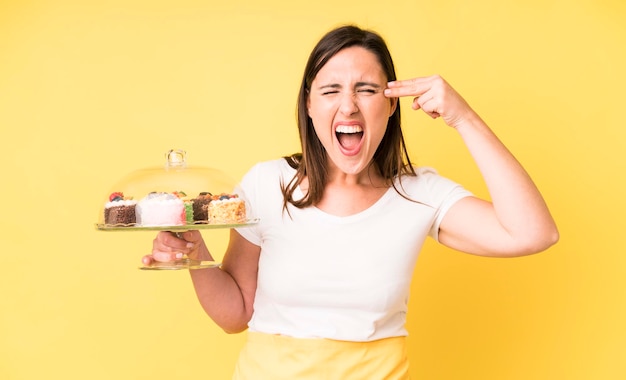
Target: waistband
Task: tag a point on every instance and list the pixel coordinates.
(274, 357)
(312, 343)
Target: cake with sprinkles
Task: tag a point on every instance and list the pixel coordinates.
(227, 209)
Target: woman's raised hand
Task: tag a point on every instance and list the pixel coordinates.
(434, 96)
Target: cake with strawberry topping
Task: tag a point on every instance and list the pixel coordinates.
(161, 209)
(227, 209)
(120, 211)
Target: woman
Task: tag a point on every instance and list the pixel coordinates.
(322, 281)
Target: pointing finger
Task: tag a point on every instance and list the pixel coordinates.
(408, 87)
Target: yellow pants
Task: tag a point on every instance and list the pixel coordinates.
(276, 357)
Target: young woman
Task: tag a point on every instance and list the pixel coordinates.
(322, 281)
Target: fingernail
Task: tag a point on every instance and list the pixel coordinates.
(387, 91)
(179, 255)
(189, 245)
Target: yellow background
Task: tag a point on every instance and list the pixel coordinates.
(90, 92)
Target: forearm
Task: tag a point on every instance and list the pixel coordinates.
(227, 293)
(221, 298)
(518, 205)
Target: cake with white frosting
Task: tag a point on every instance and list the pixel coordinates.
(161, 209)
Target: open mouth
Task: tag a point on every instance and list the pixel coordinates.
(349, 136)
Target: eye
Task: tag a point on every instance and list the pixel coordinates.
(367, 91)
(330, 92)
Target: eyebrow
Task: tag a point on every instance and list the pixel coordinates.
(358, 84)
(370, 84)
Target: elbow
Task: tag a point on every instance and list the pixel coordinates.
(232, 331)
(537, 242)
(551, 238)
(526, 244)
(547, 237)
(231, 325)
(234, 327)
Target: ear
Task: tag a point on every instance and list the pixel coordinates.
(308, 104)
(394, 105)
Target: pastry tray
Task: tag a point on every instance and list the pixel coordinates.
(181, 264)
(179, 228)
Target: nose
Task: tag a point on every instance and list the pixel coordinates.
(349, 104)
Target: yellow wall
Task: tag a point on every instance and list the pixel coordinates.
(92, 90)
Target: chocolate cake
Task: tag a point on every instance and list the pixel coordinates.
(120, 211)
(201, 207)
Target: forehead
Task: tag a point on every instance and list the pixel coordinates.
(352, 62)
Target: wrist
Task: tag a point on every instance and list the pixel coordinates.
(469, 121)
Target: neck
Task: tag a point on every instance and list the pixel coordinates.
(368, 177)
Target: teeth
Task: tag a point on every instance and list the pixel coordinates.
(349, 129)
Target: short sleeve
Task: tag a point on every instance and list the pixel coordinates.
(441, 193)
(247, 190)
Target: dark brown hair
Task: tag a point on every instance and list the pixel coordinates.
(391, 157)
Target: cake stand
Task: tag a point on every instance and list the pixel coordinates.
(176, 176)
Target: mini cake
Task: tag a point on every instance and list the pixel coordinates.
(188, 211)
(160, 209)
(227, 209)
(201, 207)
(187, 205)
(119, 211)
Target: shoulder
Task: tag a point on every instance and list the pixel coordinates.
(429, 187)
(425, 175)
(277, 167)
(268, 173)
(425, 171)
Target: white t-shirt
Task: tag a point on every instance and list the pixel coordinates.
(344, 278)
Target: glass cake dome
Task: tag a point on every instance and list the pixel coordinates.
(171, 197)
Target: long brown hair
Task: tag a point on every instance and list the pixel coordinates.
(391, 157)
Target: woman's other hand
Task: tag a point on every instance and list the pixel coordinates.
(169, 246)
(434, 96)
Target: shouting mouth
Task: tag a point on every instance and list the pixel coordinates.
(349, 138)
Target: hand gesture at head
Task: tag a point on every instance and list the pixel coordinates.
(434, 96)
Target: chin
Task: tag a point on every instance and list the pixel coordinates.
(353, 168)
